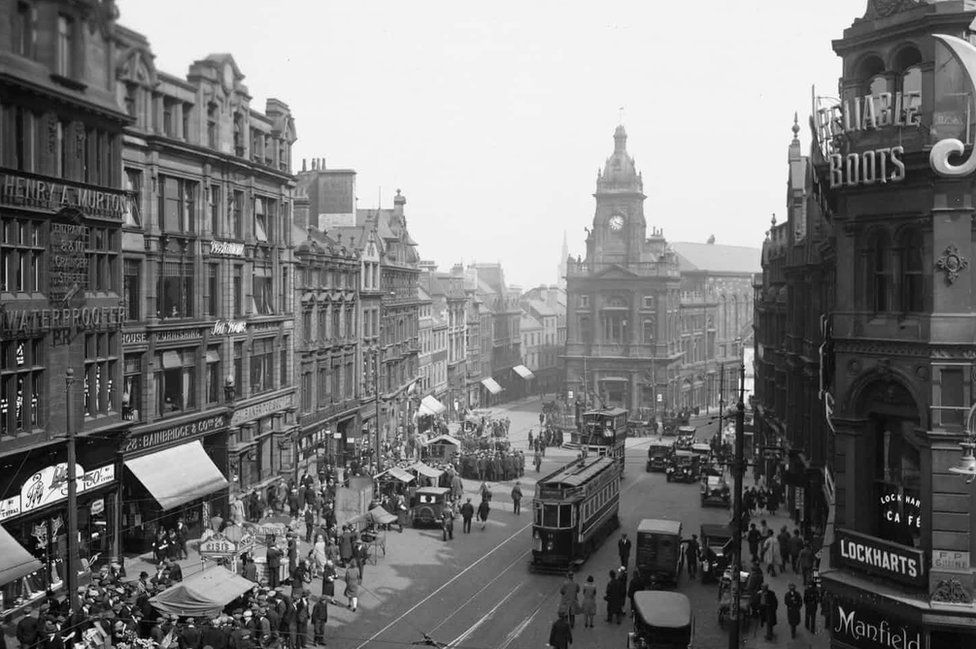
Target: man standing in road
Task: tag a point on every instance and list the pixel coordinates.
(467, 513)
(483, 510)
(560, 635)
(811, 598)
(768, 604)
(517, 499)
(537, 461)
(623, 549)
(273, 561)
(693, 555)
(793, 603)
(447, 523)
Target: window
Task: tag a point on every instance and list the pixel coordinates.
(23, 26)
(306, 391)
(187, 110)
(584, 301)
(349, 322)
(897, 482)
(66, 27)
(177, 204)
(21, 385)
(334, 332)
(63, 135)
(323, 385)
(169, 124)
(175, 292)
(239, 368)
(262, 300)
(212, 125)
(131, 90)
(213, 374)
(257, 145)
(176, 380)
(133, 185)
(131, 293)
(238, 134)
(911, 84)
(260, 220)
(323, 315)
(237, 215)
(283, 296)
(613, 327)
(21, 255)
(101, 360)
(262, 365)
(879, 272)
(284, 361)
(23, 139)
(103, 258)
(213, 290)
(132, 388)
(911, 272)
(213, 205)
(238, 289)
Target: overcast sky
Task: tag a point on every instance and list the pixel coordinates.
(493, 117)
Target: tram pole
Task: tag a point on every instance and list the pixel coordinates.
(738, 471)
(71, 568)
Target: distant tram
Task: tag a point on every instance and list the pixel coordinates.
(574, 510)
(604, 433)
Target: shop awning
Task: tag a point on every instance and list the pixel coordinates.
(523, 371)
(15, 561)
(492, 385)
(171, 360)
(178, 475)
(382, 517)
(398, 473)
(204, 594)
(425, 470)
(446, 439)
(430, 406)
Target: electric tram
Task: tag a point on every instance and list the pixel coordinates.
(604, 433)
(574, 510)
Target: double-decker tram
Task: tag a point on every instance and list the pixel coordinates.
(574, 510)
(604, 433)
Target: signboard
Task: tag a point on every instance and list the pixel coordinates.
(170, 434)
(218, 545)
(33, 321)
(950, 560)
(899, 563)
(258, 410)
(229, 327)
(900, 513)
(229, 248)
(28, 190)
(50, 485)
(68, 260)
(858, 625)
(178, 335)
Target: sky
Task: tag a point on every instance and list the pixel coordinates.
(493, 117)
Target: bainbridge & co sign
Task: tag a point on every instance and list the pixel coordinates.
(896, 562)
(859, 626)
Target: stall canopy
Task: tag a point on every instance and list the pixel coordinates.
(446, 439)
(15, 561)
(177, 475)
(204, 594)
(398, 473)
(425, 470)
(381, 517)
(492, 385)
(523, 371)
(431, 406)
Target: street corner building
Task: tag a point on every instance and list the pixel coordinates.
(146, 248)
(652, 326)
(878, 362)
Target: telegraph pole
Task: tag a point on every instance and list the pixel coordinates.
(72, 559)
(376, 379)
(721, 399)
(738, 471)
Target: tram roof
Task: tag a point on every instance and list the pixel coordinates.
(577, 473)
(609, 412)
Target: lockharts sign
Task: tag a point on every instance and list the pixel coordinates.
(863, 553)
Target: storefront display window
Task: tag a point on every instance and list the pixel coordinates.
(897, 484)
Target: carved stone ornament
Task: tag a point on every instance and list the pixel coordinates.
(951, 263)
(885, 8)
(853, 367)
(951, 591)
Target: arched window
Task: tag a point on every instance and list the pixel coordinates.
(911, 271)
(879, 272)
(911, 88)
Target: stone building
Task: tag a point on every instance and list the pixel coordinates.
(502, 301)
(207, 278)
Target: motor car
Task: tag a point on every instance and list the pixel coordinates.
(429, 504)
(715, 491)
(662, 620)
(658, 552)
(683, 466)
(657, 455)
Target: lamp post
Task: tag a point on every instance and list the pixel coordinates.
(72, 559)
(738, 471)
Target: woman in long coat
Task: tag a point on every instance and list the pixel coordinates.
(318, 554)
(328, 581)
(352, 585)
(483, 510)
(568, 599)
(589, 602)
(345, 545)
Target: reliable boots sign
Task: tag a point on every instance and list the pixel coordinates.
(858, 625)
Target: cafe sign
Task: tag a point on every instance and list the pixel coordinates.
(857, 625)
(875, 556)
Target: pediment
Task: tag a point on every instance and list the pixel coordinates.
(616, 271)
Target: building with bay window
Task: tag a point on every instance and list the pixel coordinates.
(207, 266)
(62, 206)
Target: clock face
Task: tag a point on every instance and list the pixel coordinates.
(616, 223)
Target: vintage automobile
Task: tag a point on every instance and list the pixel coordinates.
(658, 552)
(715, 491)
(657, 455)
(702, 450)
(683, 466)
(686, 438)
(429, 504)
(715, 551)
(662, 620)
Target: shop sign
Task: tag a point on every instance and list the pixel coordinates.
(230, 248)
(950, 560)
(263, 327)
(172, 434)
(45, 193)
(229, 327)
(876, 556)
(50, 485)
(900, 510)
(258, 410)
(178, 335)
(857, 625)
(32, 321)
(135, 338)
(9, 507)
(879, 166)
(97, 507)
(218, 545)
(68, 261)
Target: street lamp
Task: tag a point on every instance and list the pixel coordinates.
(967, 463)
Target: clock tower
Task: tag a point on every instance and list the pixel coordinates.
(619, 229)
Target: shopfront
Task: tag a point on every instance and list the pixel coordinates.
(173, 471)
(262, 441)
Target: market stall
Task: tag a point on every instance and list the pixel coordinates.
(203, 595)
(443, 448)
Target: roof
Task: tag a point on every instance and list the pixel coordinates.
(541, 308)
(711, 257)
(577, 472)
(660, 525)
(433, 490)
(528, 323)
(662, 608)
(609, 412)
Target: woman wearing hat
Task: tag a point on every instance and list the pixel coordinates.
(328, 580)
(352, 585)
(568, 602)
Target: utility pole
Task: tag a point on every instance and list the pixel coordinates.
(72, 560)
(738, 471)
(376, 382)
(721, 399)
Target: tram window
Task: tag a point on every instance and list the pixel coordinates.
(565, 515)
(550, 515)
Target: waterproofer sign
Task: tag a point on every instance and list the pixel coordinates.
(857, 625)
(893, 561)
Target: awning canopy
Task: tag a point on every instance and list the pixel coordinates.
(492, 385)
(204, 594)
(381, 517)
(15, 561)
(398, 473)
(178, 475)
(523, 371)
(431, 406)
(446, 439)
(425, 470)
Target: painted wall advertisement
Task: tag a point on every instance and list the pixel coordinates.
(50, 485)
